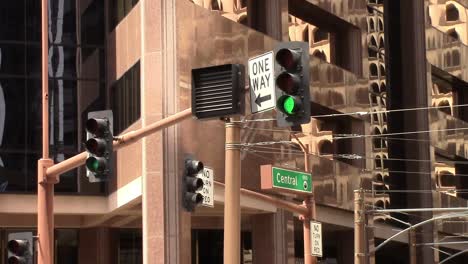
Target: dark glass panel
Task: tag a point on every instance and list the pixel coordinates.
(67, 246)
(63, 62)
(33, 61)
(62, 23)
(126, 99)
(92, 25)
(130, 246)
(14, 133)
(12, 59)
(12, 19)
(33, 21)
(63, 113)
(33, 106)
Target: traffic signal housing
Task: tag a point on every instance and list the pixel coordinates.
(18, 251)
(292, 83)
(191, 184)
(100, 149)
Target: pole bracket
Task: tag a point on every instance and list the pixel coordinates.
(43, 178)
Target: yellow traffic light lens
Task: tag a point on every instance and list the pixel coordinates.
(289, 83)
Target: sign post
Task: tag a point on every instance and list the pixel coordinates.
(262, 84)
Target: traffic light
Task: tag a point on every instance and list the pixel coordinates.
(18, 250)
(191, 184)
(99, 147)
(292, 83)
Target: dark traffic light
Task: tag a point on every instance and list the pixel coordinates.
(292, 83)
(19, 250)
(191, 184)
(99, 147)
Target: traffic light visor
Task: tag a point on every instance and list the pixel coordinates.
(17, 247)
(290, 105)
(194, 166)
(16, 260)
(287, 58)
(96, 126)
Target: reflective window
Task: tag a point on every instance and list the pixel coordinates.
(74, 70)
(130, 246)
(118, 10)
(126, 99)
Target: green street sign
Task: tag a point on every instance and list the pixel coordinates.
(292, 180)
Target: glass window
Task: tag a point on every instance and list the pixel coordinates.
(12, 18)
(118, 10)
(66, 246)
(130, 246)
(12, 59)
(126, 99)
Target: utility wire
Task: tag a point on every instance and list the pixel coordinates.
(364, 113)
(352, 136)
(342, 156)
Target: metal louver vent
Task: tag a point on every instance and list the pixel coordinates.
(216, 91)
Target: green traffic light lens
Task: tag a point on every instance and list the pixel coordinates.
(93, 164)
(289, 105)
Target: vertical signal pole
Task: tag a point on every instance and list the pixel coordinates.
(309, 203)
(45, 185)
(359, 228)
(232, 194)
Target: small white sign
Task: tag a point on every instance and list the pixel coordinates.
(207, 175)
(262, 83)
(316, 238)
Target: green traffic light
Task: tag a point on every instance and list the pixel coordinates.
(95, 164)
(289, 105)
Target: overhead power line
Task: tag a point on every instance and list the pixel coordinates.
(364, 113)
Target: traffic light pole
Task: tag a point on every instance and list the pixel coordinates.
(360, 256)
(309, 203)
(232, 193)
(48, 173)
(45, 185)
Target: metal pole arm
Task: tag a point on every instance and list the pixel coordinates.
(122, 141)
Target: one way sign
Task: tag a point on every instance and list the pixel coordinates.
(262, 84)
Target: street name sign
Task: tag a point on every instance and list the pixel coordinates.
(274, 178)
(262, 84)
(207, 175)
(316, 238)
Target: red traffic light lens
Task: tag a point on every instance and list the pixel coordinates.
(289, 59)
(96, 126)
(289, 83)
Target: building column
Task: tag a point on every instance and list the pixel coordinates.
(166, 229)
(273, 238)
(407, 75)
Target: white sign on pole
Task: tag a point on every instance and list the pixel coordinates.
(316, 238)
(262, 84)
(207, 175)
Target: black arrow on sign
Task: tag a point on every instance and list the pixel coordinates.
(261, 99)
